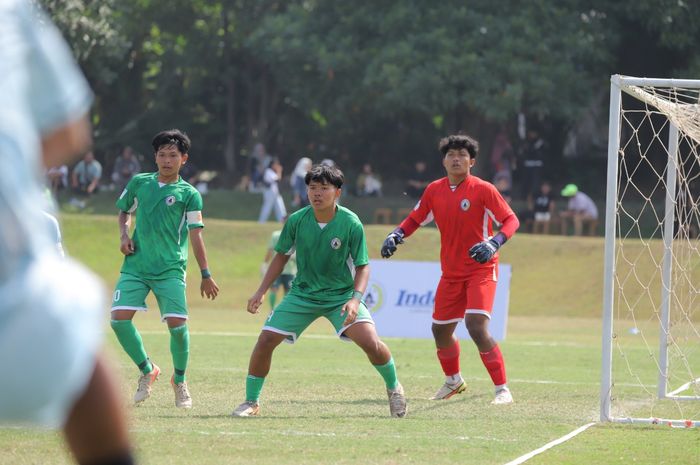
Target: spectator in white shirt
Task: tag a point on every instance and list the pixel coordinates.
(580, 207)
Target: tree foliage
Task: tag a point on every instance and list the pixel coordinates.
(362, 80)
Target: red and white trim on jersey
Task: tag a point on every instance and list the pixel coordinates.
(464, 216)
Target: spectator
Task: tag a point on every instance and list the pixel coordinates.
(57, 178)
(502, 158)
(531, 163)
(260, 160)
(580, 208)
(418, 181)
(125, 167)
(543, 208)
(271, 195)
(87, 174)
(301, 199)
(368, 183)
(503, 185)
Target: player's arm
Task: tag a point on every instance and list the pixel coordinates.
(484, 251)
(208, 287)
(272, 273)
(351, 306)
(127, 245)
(407, 227)
(62, 144)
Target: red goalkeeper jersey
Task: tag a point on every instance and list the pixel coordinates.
(464, 217)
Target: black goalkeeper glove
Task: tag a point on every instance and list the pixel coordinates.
(391, 242)
(484, 251)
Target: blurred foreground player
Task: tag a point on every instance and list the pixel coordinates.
(50, 307)
(464, 208)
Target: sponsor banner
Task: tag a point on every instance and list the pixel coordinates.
(400, 295)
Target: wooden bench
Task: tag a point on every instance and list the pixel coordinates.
(383, 216)
(402, 213)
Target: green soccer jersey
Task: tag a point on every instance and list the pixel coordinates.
(326, 257)
(164, 215)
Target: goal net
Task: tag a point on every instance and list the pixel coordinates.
(651, 325)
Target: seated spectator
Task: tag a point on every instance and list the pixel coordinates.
(503, 185)
(125, 167)
(417, 181)
(543, 207)
(580, 208)
(87, 174)
(368, 183)
(57, 177)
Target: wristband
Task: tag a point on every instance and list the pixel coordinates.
(357, 295)
(205, 273)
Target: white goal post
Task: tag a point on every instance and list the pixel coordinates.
(651, 296)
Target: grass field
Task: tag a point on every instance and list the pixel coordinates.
(324, 403)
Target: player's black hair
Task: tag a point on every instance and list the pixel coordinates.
(172, 137)
(458, 142)
(325, 175)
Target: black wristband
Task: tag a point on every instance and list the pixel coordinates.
(205, 273)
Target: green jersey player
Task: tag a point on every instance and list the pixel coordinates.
(168, 209)
(332, 274)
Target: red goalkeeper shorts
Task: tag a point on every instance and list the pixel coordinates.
(473, 294)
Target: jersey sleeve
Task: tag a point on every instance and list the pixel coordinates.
(127, 201)
(421, 215)
(500, 210)
(286, 243)
(194, 210)
(358, 245)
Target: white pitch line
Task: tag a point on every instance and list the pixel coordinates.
(529, 455)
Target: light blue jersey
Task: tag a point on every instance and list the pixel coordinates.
(49, 307)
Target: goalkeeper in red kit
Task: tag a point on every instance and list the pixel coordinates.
(464, 208)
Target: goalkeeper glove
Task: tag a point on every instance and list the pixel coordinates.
(484, 251)
(391, 242)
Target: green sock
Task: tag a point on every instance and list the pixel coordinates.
(388, 372)
(253, 386)
(130, 340)
(273, 299)
(180, 350)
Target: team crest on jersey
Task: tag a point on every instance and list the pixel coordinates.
(464, 204)
(169, 200)
(335, 243)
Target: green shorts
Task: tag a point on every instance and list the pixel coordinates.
(294, 314)
(131, 291)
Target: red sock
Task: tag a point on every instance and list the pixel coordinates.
(493, 361)
(449, 359)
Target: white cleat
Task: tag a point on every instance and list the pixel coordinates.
(503, 396)
(182, 394)
(247, 409)
(146, 381)
(397, 401)
(448, 390)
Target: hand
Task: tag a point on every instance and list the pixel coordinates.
(391, 242)
(350, 308)
(255, 302)
(209, 288)
(484, 251)
(127, 245)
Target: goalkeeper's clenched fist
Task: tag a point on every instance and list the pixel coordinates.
(394, 238)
